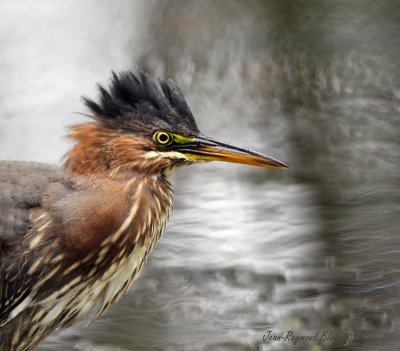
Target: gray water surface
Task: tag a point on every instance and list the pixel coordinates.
(315, 84)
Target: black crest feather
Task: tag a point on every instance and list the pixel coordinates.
(138, 103)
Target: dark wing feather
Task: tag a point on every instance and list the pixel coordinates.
(21, 190)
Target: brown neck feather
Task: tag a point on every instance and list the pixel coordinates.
(102, 152)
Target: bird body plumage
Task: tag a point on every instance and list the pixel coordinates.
(78, 237)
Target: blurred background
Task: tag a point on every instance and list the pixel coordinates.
(315, 84)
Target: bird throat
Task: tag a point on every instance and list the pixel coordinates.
(126, 249)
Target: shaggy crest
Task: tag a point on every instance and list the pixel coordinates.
(138, 103)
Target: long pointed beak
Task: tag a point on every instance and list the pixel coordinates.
(207, 149)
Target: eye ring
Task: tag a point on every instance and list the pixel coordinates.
(162, 138)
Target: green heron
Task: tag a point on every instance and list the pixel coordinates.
(72, 240)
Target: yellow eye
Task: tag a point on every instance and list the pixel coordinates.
(162, 138)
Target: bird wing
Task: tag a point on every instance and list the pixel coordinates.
(21, 190)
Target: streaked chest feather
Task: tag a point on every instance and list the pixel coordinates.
(100, 292)
(117, 263)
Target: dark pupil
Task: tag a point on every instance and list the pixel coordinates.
(163, 138)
